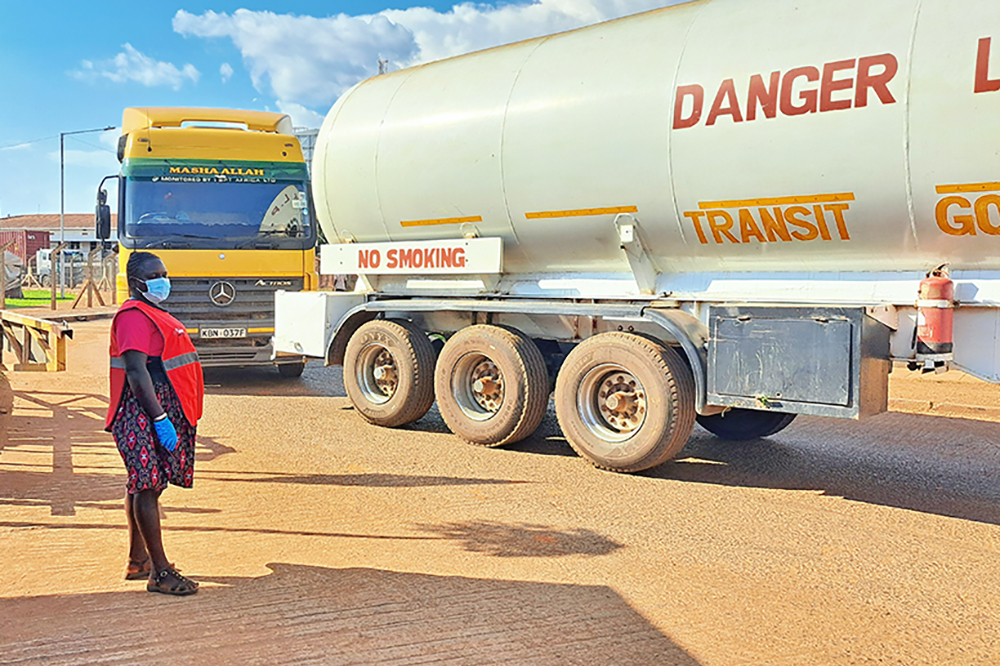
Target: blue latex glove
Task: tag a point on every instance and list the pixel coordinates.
(166, 433)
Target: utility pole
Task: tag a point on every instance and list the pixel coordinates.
(62, 200)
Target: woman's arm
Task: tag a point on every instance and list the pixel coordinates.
(141, 383)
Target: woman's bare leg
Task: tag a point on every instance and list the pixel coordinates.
(146, 514)
(136, 546)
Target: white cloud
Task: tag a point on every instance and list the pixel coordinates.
(19, 146)
(471, 27)
(301, 58)
(226, 71)
(132, 65)
(301, 116)
(310, 61)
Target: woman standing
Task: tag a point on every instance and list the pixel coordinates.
(156, 399)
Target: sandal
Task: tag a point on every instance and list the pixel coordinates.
(181, 587)
(140, 570)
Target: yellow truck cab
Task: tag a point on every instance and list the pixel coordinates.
(222, 196)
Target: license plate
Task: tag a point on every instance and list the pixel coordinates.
(223, 333)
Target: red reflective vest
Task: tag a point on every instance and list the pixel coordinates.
(180, 361)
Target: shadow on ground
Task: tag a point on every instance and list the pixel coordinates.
(299, 614)
(522, 540)
(55, 431)
(368, 480)
(316, 380)
(485, 537)
(931, 464)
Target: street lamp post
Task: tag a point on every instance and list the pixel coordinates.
(62, 201)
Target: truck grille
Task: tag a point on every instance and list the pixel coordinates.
(251, 307)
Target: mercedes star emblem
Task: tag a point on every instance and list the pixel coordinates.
(222, 294)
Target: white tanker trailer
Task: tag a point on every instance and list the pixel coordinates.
(730, 210)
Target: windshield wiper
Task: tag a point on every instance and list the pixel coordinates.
(172, 243)
(257, 243)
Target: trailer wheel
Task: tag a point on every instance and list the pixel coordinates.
(625, 402)
(492, 385)
(389, 372)
(741, 425)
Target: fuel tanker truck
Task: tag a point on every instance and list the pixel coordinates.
(727, 211)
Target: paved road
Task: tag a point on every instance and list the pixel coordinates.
(319, 538)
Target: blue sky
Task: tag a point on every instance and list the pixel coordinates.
(72, 65)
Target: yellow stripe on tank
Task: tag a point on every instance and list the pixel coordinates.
(581, 212)
(776, 201)
(970, 187)
(440, 220)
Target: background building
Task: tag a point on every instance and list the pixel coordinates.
(79, 229)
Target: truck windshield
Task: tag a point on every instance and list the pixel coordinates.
(225, 213)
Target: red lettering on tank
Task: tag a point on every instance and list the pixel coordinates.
(766, 96)
(697, 94)
(829, 85)
(392, 258)
(459, 257)
(725, 104)
(807, 96)
(836, 86)
(877, 82)
(983, 81)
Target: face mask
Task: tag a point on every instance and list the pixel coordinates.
(157, 290)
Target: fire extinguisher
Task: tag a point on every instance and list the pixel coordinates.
(935, 317)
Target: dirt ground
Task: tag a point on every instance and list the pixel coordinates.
(320, 539)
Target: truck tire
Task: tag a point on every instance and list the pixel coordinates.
(389, 372)
(291, 370)
(741, 425)
(625, 402)
(492, 385)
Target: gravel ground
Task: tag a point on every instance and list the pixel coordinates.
(319, 538)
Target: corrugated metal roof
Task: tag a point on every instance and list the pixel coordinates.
(50, 221)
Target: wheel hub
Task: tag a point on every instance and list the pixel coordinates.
(622, 402)
(487, 385)
(385, 373)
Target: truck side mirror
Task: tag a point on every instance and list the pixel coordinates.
(103, 221)
(102, 212)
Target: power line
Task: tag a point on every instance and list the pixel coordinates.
(94, 145)
(25, 143)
